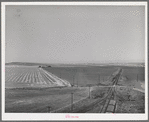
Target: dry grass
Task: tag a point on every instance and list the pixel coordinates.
(37, 100)
(130, 101)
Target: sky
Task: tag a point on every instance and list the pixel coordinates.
(75, 34)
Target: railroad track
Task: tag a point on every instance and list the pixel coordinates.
(110, 103)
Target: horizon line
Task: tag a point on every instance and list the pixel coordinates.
(80, 63)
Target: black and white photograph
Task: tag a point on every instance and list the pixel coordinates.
(74, 61)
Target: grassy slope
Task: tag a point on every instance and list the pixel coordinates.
(37, 100)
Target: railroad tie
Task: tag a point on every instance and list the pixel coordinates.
(111, 106)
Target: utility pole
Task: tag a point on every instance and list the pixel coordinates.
(60, 74)
(99, 78)
(73, 80)
(49, 109)
(137, 77)
(71, 102)
(89, 92)
(103, 78)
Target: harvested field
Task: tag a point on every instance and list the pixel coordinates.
(31, 76)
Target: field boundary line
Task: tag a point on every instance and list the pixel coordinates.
(56, 78)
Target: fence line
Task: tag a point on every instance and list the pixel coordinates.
(54, 111)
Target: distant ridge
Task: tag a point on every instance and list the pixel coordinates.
(76, 64)
(26, 64)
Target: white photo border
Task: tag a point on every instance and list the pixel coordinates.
(62, 116)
